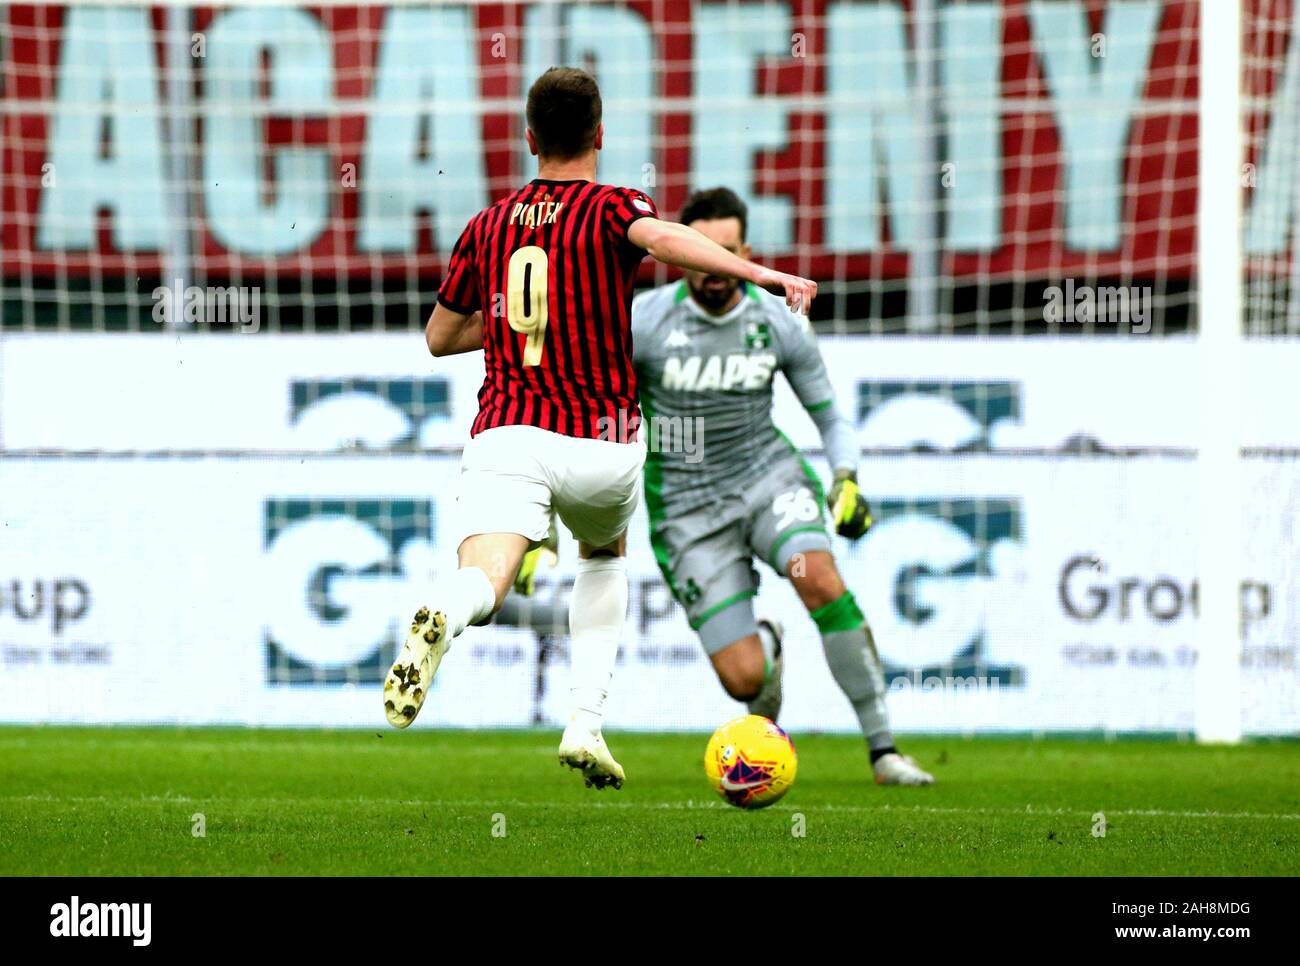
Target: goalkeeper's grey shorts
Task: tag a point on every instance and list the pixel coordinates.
(707, 554)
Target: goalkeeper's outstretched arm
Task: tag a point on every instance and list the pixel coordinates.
(684, 247)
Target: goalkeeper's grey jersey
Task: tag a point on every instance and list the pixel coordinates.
(705, 384)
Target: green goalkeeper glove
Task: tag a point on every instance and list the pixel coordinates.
(548, 550)
(849, 510)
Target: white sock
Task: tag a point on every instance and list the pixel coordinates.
(465, 597)
(597, 612)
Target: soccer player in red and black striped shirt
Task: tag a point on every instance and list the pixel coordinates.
(542, 282)
(558, 350)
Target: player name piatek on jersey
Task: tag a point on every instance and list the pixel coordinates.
(551, 269)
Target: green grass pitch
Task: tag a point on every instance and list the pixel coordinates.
(124, 801)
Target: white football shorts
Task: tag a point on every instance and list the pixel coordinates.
(512, 477)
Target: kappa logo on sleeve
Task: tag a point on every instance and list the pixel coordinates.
(935, 415)
(333, 570)
(366, 413)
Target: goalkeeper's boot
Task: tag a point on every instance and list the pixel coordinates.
(585, 751)
(411, 676)
(896, 769)
(768, 701)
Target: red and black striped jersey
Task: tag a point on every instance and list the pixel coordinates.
(551, 268)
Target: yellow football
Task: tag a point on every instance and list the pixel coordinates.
(751, 762)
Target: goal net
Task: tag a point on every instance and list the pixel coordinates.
(223, 227)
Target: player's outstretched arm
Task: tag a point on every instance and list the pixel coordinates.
(449, 333)
(683, 246)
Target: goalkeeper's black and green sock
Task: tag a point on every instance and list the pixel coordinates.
(855, 665)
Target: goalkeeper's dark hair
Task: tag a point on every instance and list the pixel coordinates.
(564, 111)
(714, 203)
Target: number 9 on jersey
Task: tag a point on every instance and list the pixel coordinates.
(526, 303)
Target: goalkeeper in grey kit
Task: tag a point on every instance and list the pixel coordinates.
(706, 349)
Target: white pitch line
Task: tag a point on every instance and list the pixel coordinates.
(1031, 810)
(688, 805)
